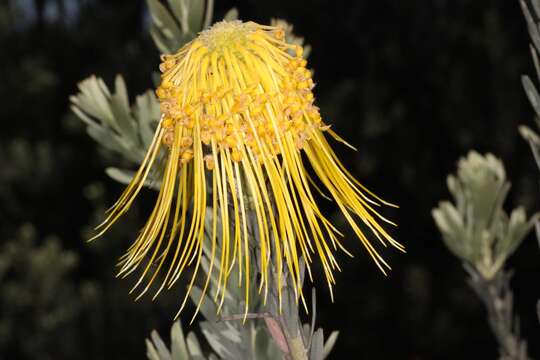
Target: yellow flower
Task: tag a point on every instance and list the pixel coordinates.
(243, 140)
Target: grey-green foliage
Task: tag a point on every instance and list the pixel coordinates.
(498, 299)
(531, 91)
(533, 26)
(267, 332)
(475, 226)
(124, 128)
(171, 29)
(261, 345)
(182, 347)
(115, 124)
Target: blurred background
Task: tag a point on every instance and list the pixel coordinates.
(414, 84)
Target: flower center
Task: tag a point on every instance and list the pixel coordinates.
(226, 34)
(237, 89)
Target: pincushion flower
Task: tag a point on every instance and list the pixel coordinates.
(245, 144)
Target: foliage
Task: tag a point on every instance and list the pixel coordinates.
(533, 25)
(481, 234)
(476, 228)
(263, 334)
(113, 123)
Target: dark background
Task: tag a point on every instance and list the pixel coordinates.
(414, 84)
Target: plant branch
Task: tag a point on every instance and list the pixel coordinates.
(498, 299)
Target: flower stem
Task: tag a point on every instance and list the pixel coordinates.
(497, 297)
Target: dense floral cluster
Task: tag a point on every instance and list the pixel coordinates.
(271, 99)
(245, 156)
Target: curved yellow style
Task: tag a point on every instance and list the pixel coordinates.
(240, 132)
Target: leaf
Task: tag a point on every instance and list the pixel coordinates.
(532, 93)
(262, 342)
(208, 308)
(105, 138)
(111, 122)
(99, 95)
(125, 176)
(536, 7)
(195, 14)
(178, 12)
(231, 15)
(164, 20)
(178, 343)
(147, 114)
(193, 346)
(85, 118)
(329, 344)
(121, 91)
(214, 340)
(531, 24)
(159, 39)
(162, 350)
(92, 100)
(317, 346)
(313, 312)
(123, 119)
(122, 176)
(537, 231)
(151, 352)
(214, 275)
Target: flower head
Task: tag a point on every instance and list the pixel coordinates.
(240, 131)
